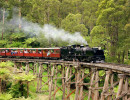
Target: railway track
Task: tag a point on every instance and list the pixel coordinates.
(120, 68)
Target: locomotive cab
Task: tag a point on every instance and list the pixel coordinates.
(98, 54)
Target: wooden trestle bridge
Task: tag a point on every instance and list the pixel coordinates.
(99, 86)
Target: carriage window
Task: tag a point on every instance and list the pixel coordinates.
(44, 51)
(57, 51)
(21, 51)
(52, 51)
(14, 51)
(33, 51)
(39, 51)
(30, 51)
(25, 51)
(7, 50)
(2, 51)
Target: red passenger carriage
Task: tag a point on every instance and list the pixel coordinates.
(31, 52)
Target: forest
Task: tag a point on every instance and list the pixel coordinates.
(45, 23)
(57, 23)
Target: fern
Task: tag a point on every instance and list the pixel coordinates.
(5, 96)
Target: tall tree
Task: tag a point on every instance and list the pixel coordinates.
(3, 22)
(88, 10)
(19, 15)
(72, 23)
(112, 16)
(4, 5)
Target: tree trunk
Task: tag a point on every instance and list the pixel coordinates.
(127, 54)
(3, 22)
(119, 58)
(91, 27)
(21, 89)
(59, 17)
(123, 56)
(113, 49)
(48, 14)
(4, 86)
(113, 33)
(27, 88)
(19, 16)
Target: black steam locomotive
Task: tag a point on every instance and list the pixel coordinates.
(82, 53)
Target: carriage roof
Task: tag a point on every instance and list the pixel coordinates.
(31, 48)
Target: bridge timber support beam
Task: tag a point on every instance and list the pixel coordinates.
(78, 81)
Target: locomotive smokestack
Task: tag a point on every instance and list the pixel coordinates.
(81, 46)
(87, 45)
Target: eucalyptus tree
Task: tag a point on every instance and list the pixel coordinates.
(72, 23)
(17, 3)
(3, 5)
(42, 11)
(112, 15)
(88, 10)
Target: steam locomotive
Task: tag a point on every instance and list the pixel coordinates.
(68, 53)
(82, 53)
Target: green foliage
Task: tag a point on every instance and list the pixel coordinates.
(88, 9)
(127, 61)
(23, 98)
(6, 64)
(15, 44)
(9, 64)
(113, 16)
(75, 21)
(5, 96)
(31, 42)
(18, 87)
(4, 71)
(98, 36)
(3, 43)
(24, 77)
(17, 36)
(18, 90)
(3, 64)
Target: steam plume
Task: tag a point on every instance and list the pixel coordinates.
(50, 32)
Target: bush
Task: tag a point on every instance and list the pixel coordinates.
(22, 98)
(15, 90)
(9, 64)
(6, 64)
(5, 96)
(3, 64)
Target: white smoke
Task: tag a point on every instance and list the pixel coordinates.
(49, 31)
